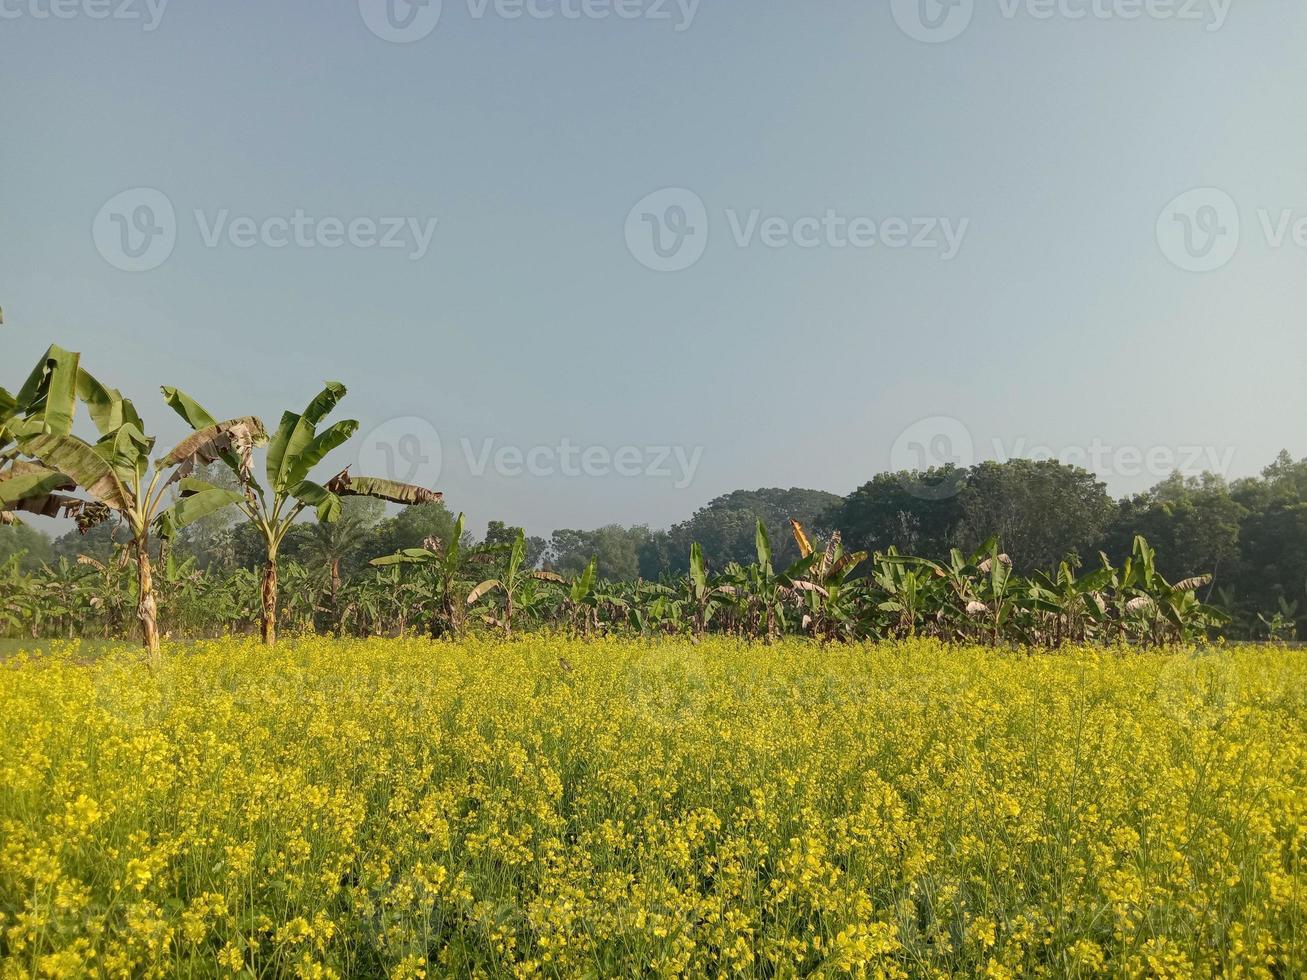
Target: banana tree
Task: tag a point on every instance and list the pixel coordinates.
(512, 583)
(293, 451)
(1075, 604)
(45, 400)
(655, 606)
(111, 596)
(912, 591)
(1154, 610)
(706, 596)
(766, 591)
(998, 593)
(16, 591)
(1282, 625)
(586, 598)
(115, 471)
(447, 563)
(831, 611)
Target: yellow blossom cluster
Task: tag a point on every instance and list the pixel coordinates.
(546, 807)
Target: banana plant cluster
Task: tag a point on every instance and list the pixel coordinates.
(294, 450)
(978, 598)
(44, 466)
(447, 587)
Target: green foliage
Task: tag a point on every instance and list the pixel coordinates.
(30, 546)
(725, 528)
(923, 554)
(614, 549)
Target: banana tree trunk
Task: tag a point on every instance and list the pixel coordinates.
(147, 610)
(270, 601)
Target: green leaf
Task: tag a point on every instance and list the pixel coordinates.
(190, 509)
(327, 399)
(188, 408)
(389, 490)
(190, 485)
(323, 443)
(408, 556)
(24, 481)
(456, 539)
(516, 554)
(698, 572)
(802, 566)
(762, 545)
(50, 392)
(294, 435)
(106, 406)
(277, 450)
(313, 495)
(127, 450)
(82, 464)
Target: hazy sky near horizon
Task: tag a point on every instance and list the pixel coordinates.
(1076, 227)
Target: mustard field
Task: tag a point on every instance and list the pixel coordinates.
(547, 807)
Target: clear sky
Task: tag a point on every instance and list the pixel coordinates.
(1039, 291)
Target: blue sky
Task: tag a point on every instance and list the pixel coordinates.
(1061, 318)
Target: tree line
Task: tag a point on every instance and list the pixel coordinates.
(202, 508)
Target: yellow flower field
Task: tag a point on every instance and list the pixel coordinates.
(548, 807)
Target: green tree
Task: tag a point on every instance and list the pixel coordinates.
(116, 473)
(727, 527)
(20, 539)
(339, 546)
(1042, 511)
(500, 535)
(294, 450)
(616, 551)
(412, 526)
(209, 539)
(916, 513)
(1193, 523)
(1272, 571)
